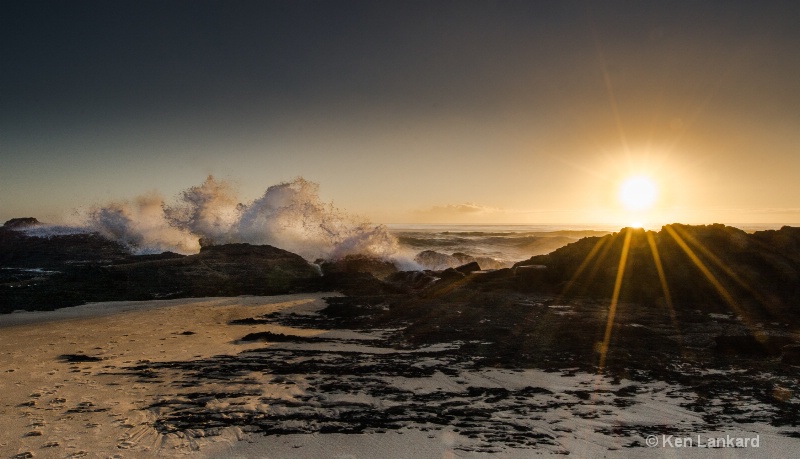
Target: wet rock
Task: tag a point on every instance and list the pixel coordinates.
(451, 274)
(791, 354)
(380, 269)
(224, 270)
(17, 249)
(469, 268)
(491, 263)
(751, 345)
(78, 358)
(280, 338)
(349, 283)
(430, 259)
(221, 270)
(25, 222)
(411, 280)
(706, 266)
(149, 257)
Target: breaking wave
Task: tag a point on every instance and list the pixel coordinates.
(288, 215)
(47, 231)
(141, 225)
(291, 216)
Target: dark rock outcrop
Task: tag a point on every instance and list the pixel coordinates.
(430, 259)
(357, 275)
(410, 281)
(469, 268)
(451, 274)
(223, 270)
(716, 267)
(48, 273)
(24, 222)
(380, 269)
(751, 345)
(18, 250)
(791, 354)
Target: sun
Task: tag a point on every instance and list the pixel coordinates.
(638, 192)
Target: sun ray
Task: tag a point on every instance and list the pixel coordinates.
(721, 265)
(723, 292)
(612, 309)
(584, 264)
(600, 259)
(664, 285)
(601, 58)
(660, 269)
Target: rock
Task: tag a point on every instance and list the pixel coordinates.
(436, 261)
(450, 274)
(469, 268)
(786, 240)
(491, 263)
(411, 280)
(706, 266)
(220, 270)
(430, 259)
(223, 270)
(17, 249)
(380, 269)
(25, 222)
(353, 283)
(739, 345)
(530, 272)
(528, 269)
(791, 354)
(150, 257)
(462, 258)
(357, 275)
(751, 345)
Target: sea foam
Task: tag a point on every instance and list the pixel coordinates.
(289, 215)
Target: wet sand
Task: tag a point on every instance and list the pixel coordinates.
(59, 404)
(177, 379)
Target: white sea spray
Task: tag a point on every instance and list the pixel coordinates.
(289, 215)
(140, 225)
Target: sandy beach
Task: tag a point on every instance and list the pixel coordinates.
(176, 378)
(55, 406)
(440, 229)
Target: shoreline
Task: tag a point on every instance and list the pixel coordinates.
(111, 308)
(177, 378)
(67, 390)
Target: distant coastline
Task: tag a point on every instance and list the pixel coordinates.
(549, 227)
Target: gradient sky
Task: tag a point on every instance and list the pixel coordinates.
(447, 111)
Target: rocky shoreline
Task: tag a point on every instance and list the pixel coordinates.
(509, 359)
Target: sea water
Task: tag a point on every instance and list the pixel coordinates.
(291, 216)
(493, 246)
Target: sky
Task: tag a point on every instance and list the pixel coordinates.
(532, 112)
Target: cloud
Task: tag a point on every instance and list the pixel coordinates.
(468, 212)
(469, 208)
(475, 213)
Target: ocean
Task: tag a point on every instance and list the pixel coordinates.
(291, 216)
(409, 246)
(497, 246)
(492, 246)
